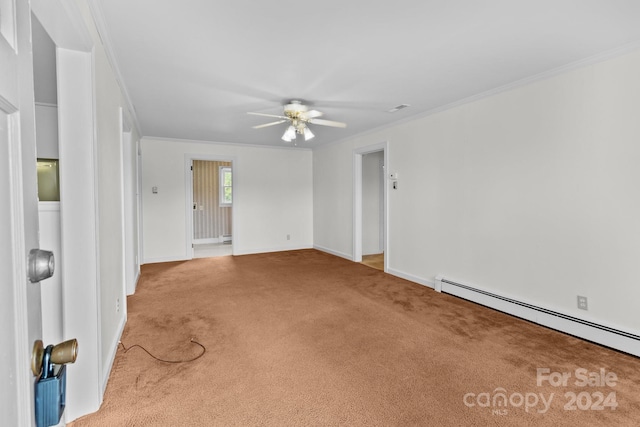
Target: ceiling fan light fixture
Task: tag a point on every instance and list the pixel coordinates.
(299, 117)
(307, 134)
(289, 134)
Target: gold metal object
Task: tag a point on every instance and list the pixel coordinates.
(65, 352)
(36, 357)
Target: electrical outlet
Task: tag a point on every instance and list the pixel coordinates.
(288, 236)
(117, 305)
(582, 303)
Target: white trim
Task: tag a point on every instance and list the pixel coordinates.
(96, 192)
(237, 252)
(123, 219)
(140, 227)
(357, 207)
(49, 206)
(582, 327)
(222, 170)
(7, 107)
(230, 144)
(332, 252)
(357, 200)
(45, 104)
(165, 259)
(136, 278)
(411, 278)
(64, 23)
(188, 232)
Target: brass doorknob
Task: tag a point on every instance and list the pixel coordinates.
(65, 352)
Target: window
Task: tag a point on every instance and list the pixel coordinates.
(226, 187)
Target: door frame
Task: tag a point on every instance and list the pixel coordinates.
(357, 199)
(188, 163)
(130, 217)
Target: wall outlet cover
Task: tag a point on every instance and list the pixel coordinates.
(583, 303)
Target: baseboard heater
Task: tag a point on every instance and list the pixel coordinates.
(604, 335)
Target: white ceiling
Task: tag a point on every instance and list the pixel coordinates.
(193, 68)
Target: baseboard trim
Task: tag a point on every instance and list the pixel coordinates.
(112, 354)
(136, 280)
(332, 252)
(163, 259)
(594, 331)
(411, 278)
(268, 250)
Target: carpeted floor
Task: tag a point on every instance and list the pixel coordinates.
(303, 338)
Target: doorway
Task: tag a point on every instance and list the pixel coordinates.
(370, 206)
(373, 209)
(211, 207)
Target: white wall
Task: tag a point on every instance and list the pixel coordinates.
(333, 199)
(531, 193)
(47, 131)
(110, 188)
(372, 199)
(44, 65)
(272, 197)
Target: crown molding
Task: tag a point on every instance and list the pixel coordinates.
(228, 144)
(103, 33)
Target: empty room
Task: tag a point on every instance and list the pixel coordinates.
(339, 213)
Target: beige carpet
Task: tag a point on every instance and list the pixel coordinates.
(304, 338)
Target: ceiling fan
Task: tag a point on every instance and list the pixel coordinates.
(299, 117)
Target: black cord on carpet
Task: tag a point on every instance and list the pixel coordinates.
(204, 350)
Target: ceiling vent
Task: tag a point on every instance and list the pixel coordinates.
(398, 108)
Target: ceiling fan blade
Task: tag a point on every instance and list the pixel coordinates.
(269, 124)
(311, 114)
(268, 115)
(328, 123)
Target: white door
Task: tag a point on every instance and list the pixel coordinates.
(20, 316)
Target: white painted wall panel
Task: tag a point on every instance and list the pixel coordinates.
(272, 197)
(530, 193)
(333, 198)
(47, 131)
